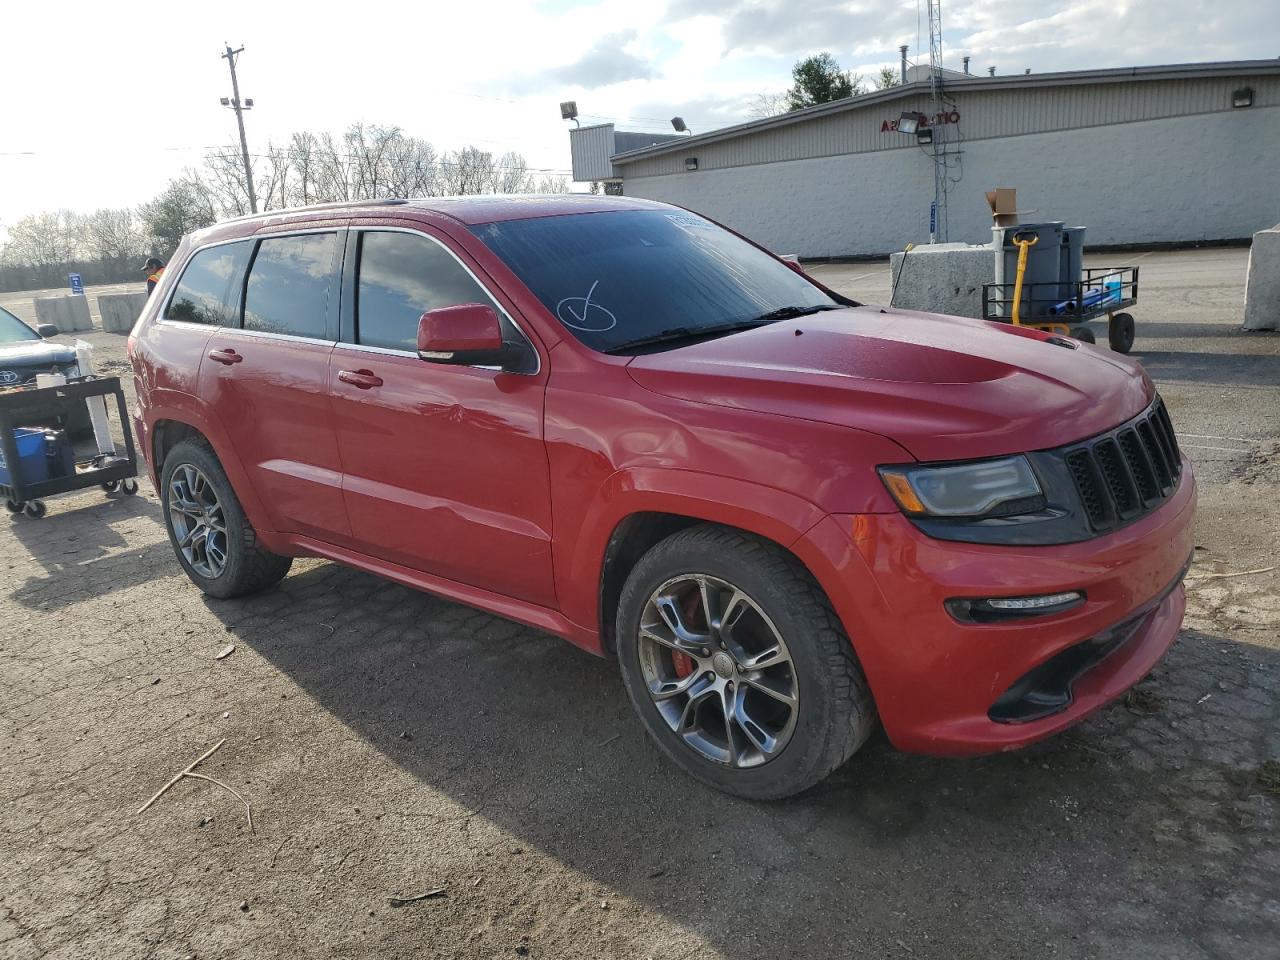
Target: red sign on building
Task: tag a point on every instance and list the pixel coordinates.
(938, 119)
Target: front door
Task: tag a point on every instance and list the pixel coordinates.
(444, 466)
(268, 382)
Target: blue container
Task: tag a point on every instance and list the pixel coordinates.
(33, 463)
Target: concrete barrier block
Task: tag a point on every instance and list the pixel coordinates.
(70, 312)
(119, 311)
(943, 278)
(1262, 288)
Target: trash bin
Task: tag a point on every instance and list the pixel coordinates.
(32, 459)
(1072, 262)
(1044, 267)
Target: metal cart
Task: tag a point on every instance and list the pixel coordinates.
(53, 407)
(1066, 307)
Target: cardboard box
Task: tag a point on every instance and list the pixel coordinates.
(1003, 202)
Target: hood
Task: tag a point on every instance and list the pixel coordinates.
(29, 357)
(945, 388)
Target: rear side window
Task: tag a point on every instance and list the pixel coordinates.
(401, 277)
(293, 285)
(209, 290)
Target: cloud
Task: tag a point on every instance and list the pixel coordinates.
(784, 28)
(606, 63)
(1051, 35)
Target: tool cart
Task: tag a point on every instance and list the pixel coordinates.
(40, 456)
(1055, 293)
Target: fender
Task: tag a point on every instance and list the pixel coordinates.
(175, 407)
(776, 514)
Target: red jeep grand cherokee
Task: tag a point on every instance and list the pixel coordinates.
(783, 512)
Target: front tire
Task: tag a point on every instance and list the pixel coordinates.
(737, 665)
(211, 536)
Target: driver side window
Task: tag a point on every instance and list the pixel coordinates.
(401, 276)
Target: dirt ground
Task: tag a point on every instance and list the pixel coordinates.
(391, 744)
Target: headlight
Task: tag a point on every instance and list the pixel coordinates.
(989, 487)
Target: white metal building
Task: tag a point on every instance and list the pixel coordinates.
(1166, 154)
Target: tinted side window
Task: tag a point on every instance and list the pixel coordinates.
(209, 290)
(401, 277)
(293, 285)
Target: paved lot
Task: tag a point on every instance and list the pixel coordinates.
(391, 744)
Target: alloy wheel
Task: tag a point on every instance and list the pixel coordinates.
(199, 525)
(718, 670)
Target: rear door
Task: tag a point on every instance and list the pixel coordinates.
(445, 467)
(267, 378)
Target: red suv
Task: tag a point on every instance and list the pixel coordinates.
(786, 514)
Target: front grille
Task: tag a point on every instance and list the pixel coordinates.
(26, 376)
(1127, 472)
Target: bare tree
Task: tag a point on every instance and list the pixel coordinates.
(302, 159)
(333, 172)
(114, 234)
(274, 190)
(768, 105)
(554, 184)
(467, 171)
(45, 240)
(221, 178)
(413, 169)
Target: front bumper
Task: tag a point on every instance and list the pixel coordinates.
(937, 681)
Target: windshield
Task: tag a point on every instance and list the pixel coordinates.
(13, 330)
(631, 278)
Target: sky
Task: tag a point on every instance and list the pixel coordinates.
(104, 103)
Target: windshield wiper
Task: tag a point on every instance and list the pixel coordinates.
(790, 313)
(675, 334)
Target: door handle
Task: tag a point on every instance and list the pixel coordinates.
(364, 379)
(227, 356)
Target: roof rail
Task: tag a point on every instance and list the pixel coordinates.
(384, 202)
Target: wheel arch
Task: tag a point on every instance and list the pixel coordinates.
(171, 427)
(638, 509)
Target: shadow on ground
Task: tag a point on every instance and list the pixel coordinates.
(1145, 826)
(1235, 369)
(85, 551)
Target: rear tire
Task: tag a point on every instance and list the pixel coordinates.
(767, 594)
(1083, 334)
(221, 553)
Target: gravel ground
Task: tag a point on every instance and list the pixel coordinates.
(391, 744)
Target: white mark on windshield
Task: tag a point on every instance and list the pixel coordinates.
(581, 314)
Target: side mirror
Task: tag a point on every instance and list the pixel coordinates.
(467, 334)
(47, 330)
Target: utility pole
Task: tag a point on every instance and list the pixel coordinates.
(938, 213)
(235, 104)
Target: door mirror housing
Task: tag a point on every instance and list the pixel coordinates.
(468, 334)
(47, 330)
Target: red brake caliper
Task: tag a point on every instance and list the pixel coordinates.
(682, 662)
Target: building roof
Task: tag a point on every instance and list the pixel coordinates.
(1180, 71)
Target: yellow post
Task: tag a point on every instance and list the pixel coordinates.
(1023, 246)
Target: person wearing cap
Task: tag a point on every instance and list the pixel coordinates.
(153, 268)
